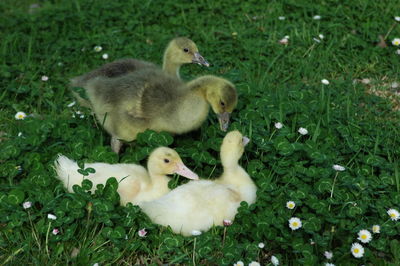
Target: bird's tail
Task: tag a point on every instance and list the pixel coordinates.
(67, 172)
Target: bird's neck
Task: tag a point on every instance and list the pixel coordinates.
(169, 67)
(157, 182)
(199, 85)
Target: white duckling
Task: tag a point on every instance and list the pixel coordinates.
(197, 206)
(136, 184)
(179, 51)
(151, 99)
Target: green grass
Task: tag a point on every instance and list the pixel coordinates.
(276, 83)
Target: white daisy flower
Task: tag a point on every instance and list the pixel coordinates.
(284, 41)
(98, 48)
(142, 232)
(364, 236)
(71, 104)
(45, 78)
(397, 18)
(55, 231)
(261, 245)
(290, 205)
(19, 134)
(394, 85)
(328, 255)
(329, 264)
(325, 81)
(196, 233)
(51, 216)
(394, 214)
(274, 260)
(295, 223)
(27, 205)
(254, 263)
(317, 17)
(20, 115)
(321, 36)
(239, 263)
(303, 131)
(376, 229)
(281, 18)
(396, 41)
(105, 56)
(96, 264)
(339, 168)
(278, 125)
(357, 250)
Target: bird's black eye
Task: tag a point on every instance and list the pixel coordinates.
(166, 161)
(186, 50)
(222, 103)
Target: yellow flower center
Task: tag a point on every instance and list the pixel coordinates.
(364, 236)
(356, 250)
(392, 215)
(291, 205)
(295, 224)
(396, 42)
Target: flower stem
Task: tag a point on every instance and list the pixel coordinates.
(333, 187)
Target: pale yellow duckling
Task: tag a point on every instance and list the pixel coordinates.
(198, 205)
(152, 99)
(178, 52)
(136, 184)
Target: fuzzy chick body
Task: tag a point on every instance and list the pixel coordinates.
(152, 99)
(179, 51)
(198, 205)
(136, 184)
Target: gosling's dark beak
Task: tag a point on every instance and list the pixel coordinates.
(197, 58)
(223, 121)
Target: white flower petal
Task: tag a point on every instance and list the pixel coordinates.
(278, 125)
(337, 167)
(357, 250)
(364, 236)
(274, 260)
(325, 81)
(376, 229)
(71, 104)
(290, 205)
(303, 131)
(196, 233)
(20, 115)
(394, 214)
(51, 216)
(396, 41)
(27, 205)
(328, 255)
(295, 223)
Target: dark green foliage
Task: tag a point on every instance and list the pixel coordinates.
(276, 83)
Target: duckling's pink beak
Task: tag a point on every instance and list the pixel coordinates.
(223, 121)
(182, 170)
(197, 58)
(246, 141)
